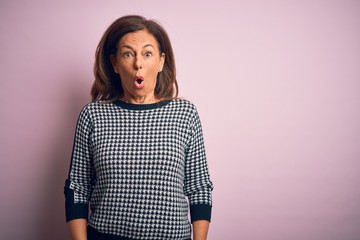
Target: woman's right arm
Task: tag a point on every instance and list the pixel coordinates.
(78, 185)
(77, 229)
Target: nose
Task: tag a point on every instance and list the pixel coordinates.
(138, 63)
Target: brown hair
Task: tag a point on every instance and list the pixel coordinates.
(107, 84)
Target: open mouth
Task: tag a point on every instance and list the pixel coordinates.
(139, 82)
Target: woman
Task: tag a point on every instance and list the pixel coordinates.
(138, 158)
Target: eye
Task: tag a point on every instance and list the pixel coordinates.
(128, 54)
(148, 54)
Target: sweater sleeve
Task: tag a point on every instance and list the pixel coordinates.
(197, 184)
(78, 188)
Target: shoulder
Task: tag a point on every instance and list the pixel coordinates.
(97, 105)
(96, 108)
(184, 108)
(184, 104)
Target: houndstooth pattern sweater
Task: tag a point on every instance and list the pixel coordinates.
(140, 168)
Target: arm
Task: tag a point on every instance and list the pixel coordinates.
(197, 184)
(77, 188)
(200, 229)
(77, 229)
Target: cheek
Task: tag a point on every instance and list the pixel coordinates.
(124, 67)
(123, 64)
(153, 74)
(154, 67)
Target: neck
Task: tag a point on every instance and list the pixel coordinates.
(139, 100)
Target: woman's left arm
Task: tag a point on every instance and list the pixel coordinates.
(197, 183)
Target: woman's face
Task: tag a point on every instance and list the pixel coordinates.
(138, 62)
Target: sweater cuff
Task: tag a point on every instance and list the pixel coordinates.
(200, 212)
(74, 210)
(77, 210)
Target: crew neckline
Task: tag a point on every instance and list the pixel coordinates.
(131, 106)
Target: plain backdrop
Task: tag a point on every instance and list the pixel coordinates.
(276, 83)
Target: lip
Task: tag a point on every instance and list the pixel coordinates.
(139, 82)
(139, 77)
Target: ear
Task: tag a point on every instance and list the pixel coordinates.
(113, 62)
(162, 61)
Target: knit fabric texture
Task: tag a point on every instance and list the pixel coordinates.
(140, 168)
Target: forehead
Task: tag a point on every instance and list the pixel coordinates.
(138, 39)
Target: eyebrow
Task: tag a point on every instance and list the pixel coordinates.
(130, 47)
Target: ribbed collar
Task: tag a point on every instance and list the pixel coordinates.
(131, 106)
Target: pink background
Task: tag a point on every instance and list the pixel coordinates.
(276, 83)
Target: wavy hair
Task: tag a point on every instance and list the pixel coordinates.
(107, 85)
